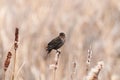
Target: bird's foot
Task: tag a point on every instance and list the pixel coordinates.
(58, 51)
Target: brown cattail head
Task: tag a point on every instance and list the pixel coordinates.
(16, 38)
(7, 61)
(16, 34)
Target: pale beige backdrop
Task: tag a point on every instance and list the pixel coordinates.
(85, 23)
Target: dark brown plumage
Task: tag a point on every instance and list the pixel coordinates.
(56, 43)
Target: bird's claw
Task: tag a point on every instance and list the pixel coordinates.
(58, 51)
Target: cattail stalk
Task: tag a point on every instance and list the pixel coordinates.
(9, 55)
(55, 66)
(15, 48)
(56, 63)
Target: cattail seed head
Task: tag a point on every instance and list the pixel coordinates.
(7, 61)
(16, 34)
(16, 38)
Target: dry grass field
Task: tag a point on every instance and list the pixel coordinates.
(92, 29)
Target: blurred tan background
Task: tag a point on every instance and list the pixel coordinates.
(85, 23)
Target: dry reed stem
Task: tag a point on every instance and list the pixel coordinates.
(18, 71)
(93, 74)
(4, 75)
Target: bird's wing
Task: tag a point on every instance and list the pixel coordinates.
(54, 41)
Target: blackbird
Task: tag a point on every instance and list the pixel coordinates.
(56, 43)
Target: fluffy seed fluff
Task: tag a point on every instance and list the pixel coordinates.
(93, 74)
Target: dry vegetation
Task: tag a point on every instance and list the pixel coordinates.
(86, 23)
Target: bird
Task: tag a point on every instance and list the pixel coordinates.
(56, 43)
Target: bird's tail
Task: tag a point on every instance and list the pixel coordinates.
(48, 50)
(48, 53)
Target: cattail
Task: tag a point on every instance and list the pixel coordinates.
(57, 58)
(55, 65)
(93, 74)
(7, 61)
(9, 55)
(89, 59)
(89, 56)
(16, 38)
(74, 65)
(15, 48)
